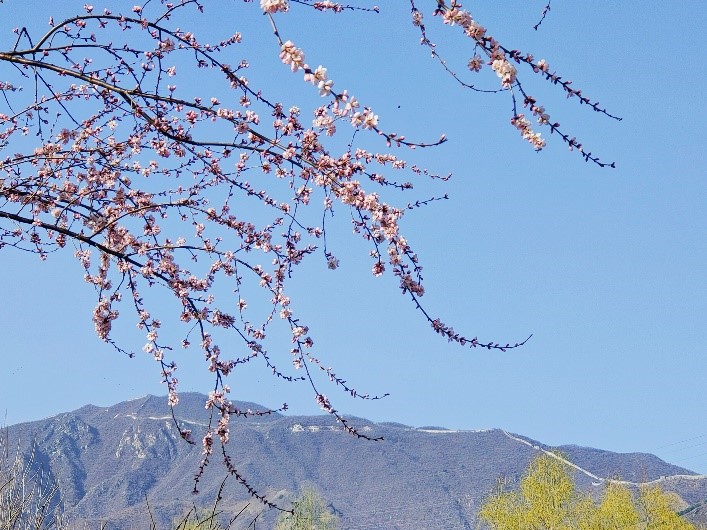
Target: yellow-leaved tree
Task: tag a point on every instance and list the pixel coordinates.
(309, 512)
(548, 499)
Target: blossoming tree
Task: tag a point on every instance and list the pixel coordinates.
(152, 186)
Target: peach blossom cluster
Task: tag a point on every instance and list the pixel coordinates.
(103, 316)
(292, 56)
(505, 71)
(366, 119)
(273, 6)
(521, 123)
(455, 15)
(327, 5)
(213, 198)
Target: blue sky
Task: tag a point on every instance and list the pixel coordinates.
(605, 267)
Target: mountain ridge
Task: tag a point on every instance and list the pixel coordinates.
(108, 460)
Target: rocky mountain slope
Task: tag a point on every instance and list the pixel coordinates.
(111, 462)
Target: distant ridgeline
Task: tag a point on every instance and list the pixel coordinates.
(108, 461)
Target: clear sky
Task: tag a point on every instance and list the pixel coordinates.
(607, 268)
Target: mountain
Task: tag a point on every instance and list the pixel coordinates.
(112, 462)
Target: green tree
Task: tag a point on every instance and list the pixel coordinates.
(309, 512)
(549, 500)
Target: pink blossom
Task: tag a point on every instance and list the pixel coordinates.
(542, 65)
(521, 123)
(325, 87)
(292, 56)
(505, 70)
(475, 63)
(365, 119)
(273, 6)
